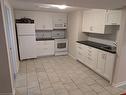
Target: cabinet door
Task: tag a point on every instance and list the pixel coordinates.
(109, 67)
(82, 53)
(88, 20)
(94, 21)
(99, 21)
(45, 48)
(92, 58)
(43, 21)
(113, 17)
(101, 62)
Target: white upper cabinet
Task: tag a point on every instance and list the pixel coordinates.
(113, 17)
(43, 21)
(59, 21)
(95, 20)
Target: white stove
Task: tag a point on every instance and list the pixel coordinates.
(61, 46)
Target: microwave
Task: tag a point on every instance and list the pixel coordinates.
(60, 26)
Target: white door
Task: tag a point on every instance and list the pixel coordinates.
(27, 47)
(10, 41)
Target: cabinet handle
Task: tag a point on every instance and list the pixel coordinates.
(104, 56)
(91, 28)
(114, 23)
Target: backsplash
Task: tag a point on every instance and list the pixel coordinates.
(107, 39)
(50, 33)
(111, 37)
(43, 34)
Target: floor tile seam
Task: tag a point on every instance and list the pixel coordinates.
(76, 84)
(37, 78)
(49, 79)
(61, 81)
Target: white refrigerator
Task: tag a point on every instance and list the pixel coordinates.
(26, 41)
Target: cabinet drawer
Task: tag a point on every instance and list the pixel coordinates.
(92, 54)
(45, 43)
(82, 58)
(45, 48)
(83, 49)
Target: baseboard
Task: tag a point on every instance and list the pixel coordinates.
(17, 67)
(14, 92)
(120, 84)
(71, 56)
(7, 94)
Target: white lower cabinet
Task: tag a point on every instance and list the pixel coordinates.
(100, 61)
(87, 55)
(45, 48)
(102, 55)
(109, 67)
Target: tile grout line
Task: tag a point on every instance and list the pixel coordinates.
(75, 83)
(61, 80)
(48, 78)
(37, 77)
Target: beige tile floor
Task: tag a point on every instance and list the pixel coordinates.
(60, 75)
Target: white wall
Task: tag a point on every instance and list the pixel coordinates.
(74, 31)
(30, 14)
(120, 76)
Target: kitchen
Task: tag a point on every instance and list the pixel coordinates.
(51, 38)
(66, 50)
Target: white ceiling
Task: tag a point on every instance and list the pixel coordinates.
(76, 4)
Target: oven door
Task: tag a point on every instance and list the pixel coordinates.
(61, 46)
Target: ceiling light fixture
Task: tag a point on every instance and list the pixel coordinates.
(53, 6)
(60, 6)
(44, 6)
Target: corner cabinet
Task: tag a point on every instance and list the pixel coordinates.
(100, 61)
(96, 20)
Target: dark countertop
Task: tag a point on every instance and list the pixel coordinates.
(99, 46)
(44, 39)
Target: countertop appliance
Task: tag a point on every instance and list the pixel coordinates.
(26, 40)
(61, 46)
